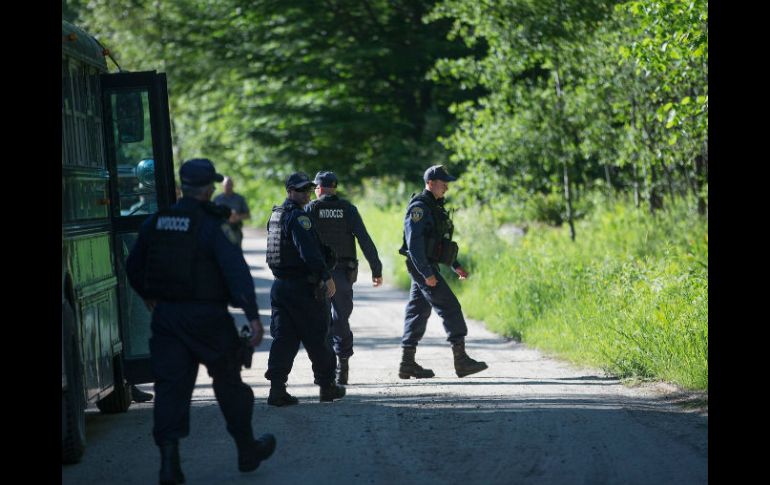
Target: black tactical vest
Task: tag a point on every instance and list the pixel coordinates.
(441, 231)
(177, 268)
(282, 257)
(333, 219)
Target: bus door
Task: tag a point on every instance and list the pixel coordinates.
(139, 160)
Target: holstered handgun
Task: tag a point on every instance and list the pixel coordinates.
(319, 289)
(330, 257)
(245, 350)
(351, 271)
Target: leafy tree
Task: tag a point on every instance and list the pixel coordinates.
(533, 70)
(270, 86)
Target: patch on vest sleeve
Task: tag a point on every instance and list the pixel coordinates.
(229, 233)
(304, 221)
(416, 214)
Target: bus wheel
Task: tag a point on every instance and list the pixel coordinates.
(119, 399)
(73, 399)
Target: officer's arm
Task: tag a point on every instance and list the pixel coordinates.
(236, 274)
(366, 243)
(309, 211)
(307, 245)
(414, 232)
(137, 258)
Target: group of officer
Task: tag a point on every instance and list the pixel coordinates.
(188, 267)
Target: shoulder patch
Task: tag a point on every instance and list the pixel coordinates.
(229, 233)
(304, 221)
(416, 214)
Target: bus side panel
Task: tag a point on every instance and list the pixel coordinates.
(91, 268)
(99, 317)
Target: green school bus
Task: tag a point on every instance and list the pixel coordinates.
(117, 168)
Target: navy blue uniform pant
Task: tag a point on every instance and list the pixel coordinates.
(297, 317)
(421, 299)
(184, 335)
(342, 307)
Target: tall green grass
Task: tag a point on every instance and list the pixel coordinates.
(630, 295)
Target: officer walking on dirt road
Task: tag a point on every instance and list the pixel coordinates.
(187, 266)
(427, 242)
(339, 224)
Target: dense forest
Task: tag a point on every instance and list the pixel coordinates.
(524, 98)
(585, 121)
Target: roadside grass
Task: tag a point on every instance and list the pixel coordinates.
(385, 228)
(630, 295)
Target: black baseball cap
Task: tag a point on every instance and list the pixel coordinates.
(198, 172)
(438, 172)
(326, 179)
(298, 180)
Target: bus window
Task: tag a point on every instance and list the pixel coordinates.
(133, 152)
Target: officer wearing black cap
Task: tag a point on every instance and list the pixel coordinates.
(187, 267)
(427, 242)
(339, 225)
(299, 296)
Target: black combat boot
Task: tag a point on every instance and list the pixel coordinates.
(464, 365)
(140, 396)
(279, 397)
(342, 371)
(410, 368)
(251, 454)
(170, 469)
(331, 392)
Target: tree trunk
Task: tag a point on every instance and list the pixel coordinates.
(635, 157)
(669, 182)
(560, 119)
(655, 197)
(609, 180)
(637, 199)
(701, 174)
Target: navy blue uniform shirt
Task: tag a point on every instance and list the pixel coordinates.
(298, 226)
(359, 231)
(418, 225)
(211, 240)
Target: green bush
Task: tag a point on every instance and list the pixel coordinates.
(630, 294)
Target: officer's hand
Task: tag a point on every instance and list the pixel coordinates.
(233, 217)
(461, 272)
(331, 289)
(257, 332)
(377, 281)
(431, 281)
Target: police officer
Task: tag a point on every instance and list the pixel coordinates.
(299, 296)
(186, 266)
(428, 242)
(339, 225)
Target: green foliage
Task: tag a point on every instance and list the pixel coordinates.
(283, 86)
(631, 296)
(581, 91)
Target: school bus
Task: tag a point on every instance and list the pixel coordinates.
(117, 168)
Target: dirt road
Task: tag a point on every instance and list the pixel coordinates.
(528, 419)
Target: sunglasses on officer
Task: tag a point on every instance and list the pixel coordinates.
(306, 188)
